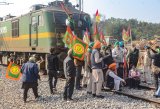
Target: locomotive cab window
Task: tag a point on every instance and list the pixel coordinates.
(40, 20)
(15, 28)
(34, 21)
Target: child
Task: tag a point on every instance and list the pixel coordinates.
(134, 78)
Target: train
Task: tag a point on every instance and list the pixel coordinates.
(37, 31)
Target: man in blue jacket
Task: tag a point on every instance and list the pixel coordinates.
(30, 77)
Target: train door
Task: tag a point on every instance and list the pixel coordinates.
(34, 31)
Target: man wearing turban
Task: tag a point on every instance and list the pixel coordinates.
(97, 74)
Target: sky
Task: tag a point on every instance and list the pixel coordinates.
(142, 10)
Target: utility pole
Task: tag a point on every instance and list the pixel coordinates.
(80, 5)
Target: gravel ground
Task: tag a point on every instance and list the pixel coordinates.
(11, 98)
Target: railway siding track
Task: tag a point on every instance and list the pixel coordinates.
(138, 97)
(134, 96)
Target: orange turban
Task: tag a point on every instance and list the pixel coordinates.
(97, 45)
(112, 66)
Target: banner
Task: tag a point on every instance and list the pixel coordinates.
(68, 37)
(13, 71)
(79, 48)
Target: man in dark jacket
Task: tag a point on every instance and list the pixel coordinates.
(133, 56)
(30, 77)
(156, 65)
(52, 67)
(70, 73)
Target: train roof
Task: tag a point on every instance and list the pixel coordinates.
(53, 6)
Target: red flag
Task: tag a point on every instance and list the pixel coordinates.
(129, 31)
(96, 34)
(97, 16)
(102, 38)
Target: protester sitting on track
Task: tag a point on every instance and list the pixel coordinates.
(107, 60)
(113, 81)
(134, 78)
(30, 78)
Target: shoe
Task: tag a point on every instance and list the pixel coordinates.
(89, 92)
(64, 99)
(54, 89)
(119, 90)
(99, 96)
(79, 88)
(25, 101)
(69, 99)
(85, 85)
(52, 93)
(38, 98)
(93, 95)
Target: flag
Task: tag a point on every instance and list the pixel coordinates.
(68, 37)
(13, 71)
(125, 35)
(125, 75)
(96, 34)
(102, 39)
(97, 17)
(86, 37)
(79, 48)
(129, 31)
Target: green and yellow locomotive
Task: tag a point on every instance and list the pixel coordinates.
(37, 31)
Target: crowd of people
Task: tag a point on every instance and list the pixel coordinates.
(103, 66)
(112, 66)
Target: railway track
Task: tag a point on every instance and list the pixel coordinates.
(138, 97)
(133, 96)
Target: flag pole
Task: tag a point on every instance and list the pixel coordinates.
(130, 33)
